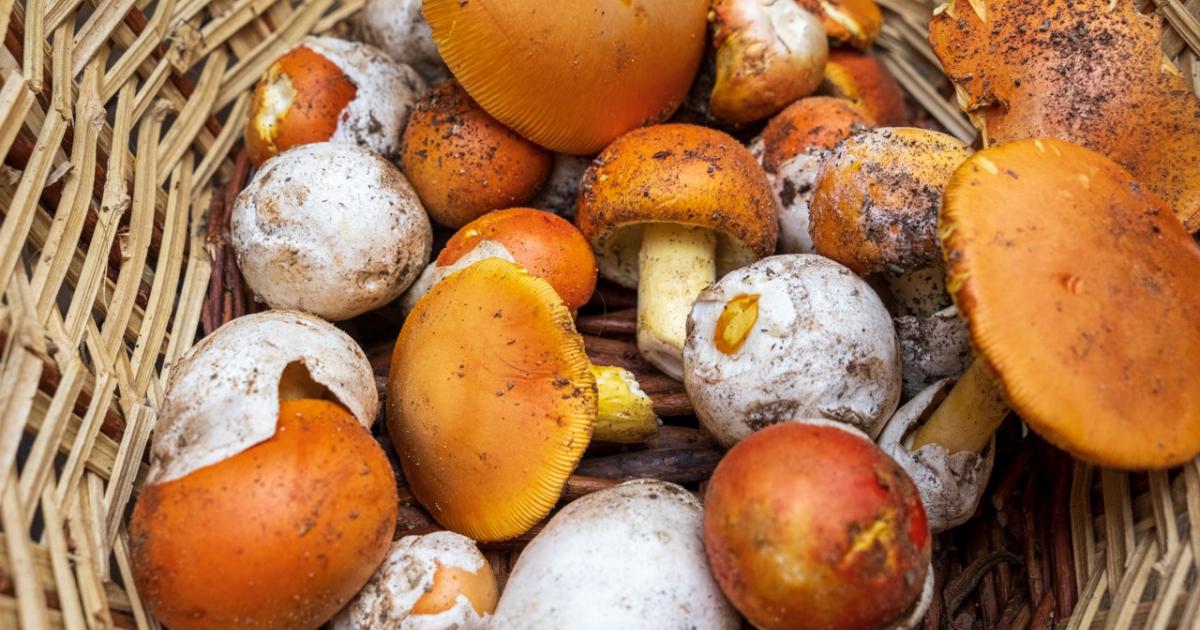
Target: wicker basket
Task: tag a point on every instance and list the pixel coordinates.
(107, 269)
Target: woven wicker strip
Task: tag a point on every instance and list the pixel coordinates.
(120, 124)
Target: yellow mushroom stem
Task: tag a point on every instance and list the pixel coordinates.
(676, 262)
(624, 413)
(968, 417)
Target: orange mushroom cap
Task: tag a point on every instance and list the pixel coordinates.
(572, 80)
(1090, 72)
(463, 163)
(281, 535)
(681, 174)
(491, 400)
(854, 22)
(816, 122)
(876, 200)
(545, 244)
(862, 78)
(812, 526)
(319, 90)
(1080, 290)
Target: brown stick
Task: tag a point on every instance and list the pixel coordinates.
(677, 466)
(1043, 615)
(1060, 546)
(622, 323)
(610, 297)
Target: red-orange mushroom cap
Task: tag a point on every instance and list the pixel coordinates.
(573, 79)
(281, 535)
(860, 77)
(463, 163)
(1090, 72)
(491, 400)
(813, 526)
(668, 209)
(1080, 290)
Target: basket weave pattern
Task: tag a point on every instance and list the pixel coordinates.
(119, 122)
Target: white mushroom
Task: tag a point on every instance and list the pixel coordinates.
(626, 557)
(790, 337)
(398, 28)
(768, 54)
(561, 190)
(385, 94)
(932, 348)
(332, 229)
(223, 396)
(951, 484)
(438, 581)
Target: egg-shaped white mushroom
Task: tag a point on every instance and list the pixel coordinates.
(386, 93)
(398, 28)
(331, 229)
(932, 348)
(789, 337)
(438, 581)
(223, 396)
(950, 484)
(628, 557)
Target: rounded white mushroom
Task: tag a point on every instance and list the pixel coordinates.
(438, 581)
(932, 348)
(951, 484)
(385, 94)
(332, 229)
(626, 557)
(789, 337)
(398, 28)
(223, 396)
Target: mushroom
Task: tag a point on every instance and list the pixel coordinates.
(1083, 318)
(950, 484)
(332, 229)
(438, 581)
(668, 209)
(397, 28)
(861, 78)
(792, 148)
(854, 22)
(463, 163)
(546, 245)
(768, 54)
(813, 526)
(1090, 72)
(267, 502)
(875, 206)
(492, 401)
(561, 190)
(576, 79)
(932, 348)
(629, 556)
(327, 89)
(796, 336)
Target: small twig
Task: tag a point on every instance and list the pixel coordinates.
(1043, 615)
(958, 590)
(622, 323)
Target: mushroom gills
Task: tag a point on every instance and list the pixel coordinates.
(968, 417)
(624, 413)
(675, 264)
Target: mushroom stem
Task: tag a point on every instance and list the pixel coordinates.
(624, 412)
(676, 262)
(921, 292)
(968, 417)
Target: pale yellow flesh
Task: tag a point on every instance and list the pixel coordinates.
(968, 417)
(675, 263)
(624, 413)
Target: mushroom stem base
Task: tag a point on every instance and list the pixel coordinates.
(676, 262)
(968, 417)
(921, 292)
(624, 412)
